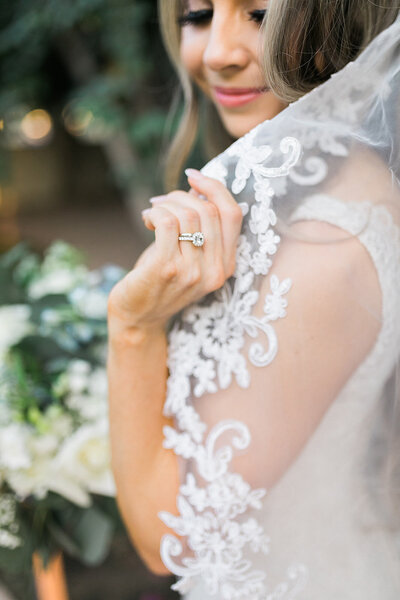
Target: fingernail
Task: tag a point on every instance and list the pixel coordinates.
(145, 211)
(156, 199)
(193, 173)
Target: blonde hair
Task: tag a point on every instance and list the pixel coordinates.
(304, 42)
(216, 138)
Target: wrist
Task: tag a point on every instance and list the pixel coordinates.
(128, 334)
(127, 327)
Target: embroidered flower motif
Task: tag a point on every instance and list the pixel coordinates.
(269, 241)
(275, 305)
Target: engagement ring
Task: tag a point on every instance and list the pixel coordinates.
(197, 238)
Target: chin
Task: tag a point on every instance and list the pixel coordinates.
(239, 127)
(240, 123)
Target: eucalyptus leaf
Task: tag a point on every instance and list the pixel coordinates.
(94, 531)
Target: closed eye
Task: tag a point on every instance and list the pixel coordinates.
(196, 17)
(257, 15)
(201, 17)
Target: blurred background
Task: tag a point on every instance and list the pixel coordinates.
(85, 91)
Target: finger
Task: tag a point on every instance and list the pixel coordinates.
(189, 222)
(231, 214)
(211, 188)
(166, 227)
(216, 192)
(210, 224)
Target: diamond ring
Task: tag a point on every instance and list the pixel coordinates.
(197, 238)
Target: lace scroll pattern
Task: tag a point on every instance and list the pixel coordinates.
(205, 355)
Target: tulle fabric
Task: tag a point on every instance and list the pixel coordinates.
(284, 383)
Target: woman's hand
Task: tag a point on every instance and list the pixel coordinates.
(170, 274)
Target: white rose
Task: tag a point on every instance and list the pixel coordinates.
(31, 480)
(85, 456)
(43, 476)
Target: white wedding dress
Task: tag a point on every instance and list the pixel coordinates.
(281, 382)
(318, 516)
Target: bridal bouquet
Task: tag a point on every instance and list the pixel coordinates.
(56, 486)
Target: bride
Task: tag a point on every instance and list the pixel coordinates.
(254, 346)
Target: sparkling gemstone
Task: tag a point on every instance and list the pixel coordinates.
(198, 238)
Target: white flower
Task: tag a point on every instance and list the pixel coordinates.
(88, 390)
(78, 376)
(90, 408)
(90, 303)
(58, 423)
(60, 281)
(31, 480)
(14, 452)
(98, 384)
(43, 476)
(45, 444)
(14, 325)
(85, 458)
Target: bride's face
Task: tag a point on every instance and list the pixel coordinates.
(220, 48)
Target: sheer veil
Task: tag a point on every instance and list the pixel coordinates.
(317, 276)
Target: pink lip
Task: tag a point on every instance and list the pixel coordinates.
(237, 96)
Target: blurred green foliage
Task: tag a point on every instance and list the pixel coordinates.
(98, 57)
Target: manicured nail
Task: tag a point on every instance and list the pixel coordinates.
(145, 211)
(193, 173)
(157, 199)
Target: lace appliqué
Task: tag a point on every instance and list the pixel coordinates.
(205, 355)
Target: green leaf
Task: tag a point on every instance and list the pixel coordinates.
(94, 532)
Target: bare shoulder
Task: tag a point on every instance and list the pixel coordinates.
(335, 292)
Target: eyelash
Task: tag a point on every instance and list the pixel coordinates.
(201, 17)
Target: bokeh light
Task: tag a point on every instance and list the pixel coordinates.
(82, 122)
(76, 120)
(37, 127)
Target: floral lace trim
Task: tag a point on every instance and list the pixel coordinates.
(205, 354)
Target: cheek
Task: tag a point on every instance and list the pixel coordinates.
(191, 51)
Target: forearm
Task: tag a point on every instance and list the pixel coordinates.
(142, 468)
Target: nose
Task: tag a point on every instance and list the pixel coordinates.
(224, 49)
